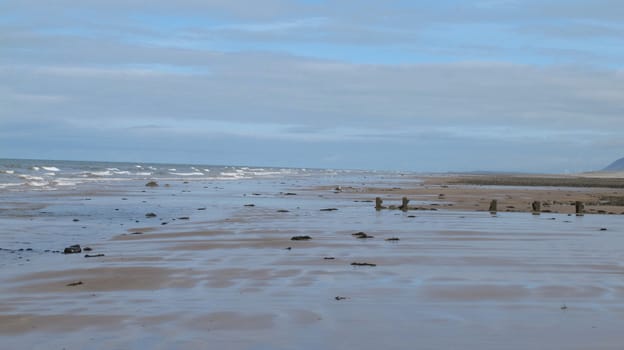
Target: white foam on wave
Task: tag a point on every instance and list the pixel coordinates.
(50, 168)
(7, 172)
(64, 182)
(49, 174)
(35, 168)
(266, 173)
(37, 183)
(96, 173)
(121, 172)
(143, 173)
(5, 185)
(232, 176)
(196, 173)
(227, 178)
(31, 178)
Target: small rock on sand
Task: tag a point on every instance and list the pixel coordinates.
(150, 215)
(74, 284)
(152, 184)
(300, 238)
(362, 264)
(73, 249)
(361, 235)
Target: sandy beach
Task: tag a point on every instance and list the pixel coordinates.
(212, 271)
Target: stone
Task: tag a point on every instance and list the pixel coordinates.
(579, 208)
(404, 204)
(152, 184)
(362, 264)
(329, 209)
(493, 206)
(73, 249)
(93, 256)
(150, 215)
(361, 235)
(378, 203)
(74, 284)
(300, 238)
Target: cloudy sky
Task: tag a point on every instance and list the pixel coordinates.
(511, 85)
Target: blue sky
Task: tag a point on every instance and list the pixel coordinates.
(511, 85)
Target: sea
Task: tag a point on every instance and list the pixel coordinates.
(50, 175)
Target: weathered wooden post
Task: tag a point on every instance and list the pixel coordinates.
(404, 204)
(537, 207)
(580, 208)
(378, 203)
(493, 206)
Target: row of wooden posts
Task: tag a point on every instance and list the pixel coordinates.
(536, 206)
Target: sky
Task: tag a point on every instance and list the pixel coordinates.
(429, 86)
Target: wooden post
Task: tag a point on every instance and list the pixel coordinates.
(580, 208)
(493, 206)
(537, 207)
(378, 203)
(404, 204)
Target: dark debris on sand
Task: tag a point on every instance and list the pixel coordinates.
(362, 235)
(300, 238)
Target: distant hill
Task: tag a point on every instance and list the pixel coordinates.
(618, 165)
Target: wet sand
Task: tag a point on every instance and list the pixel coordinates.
(458, 277)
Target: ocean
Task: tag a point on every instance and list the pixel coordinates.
(22, 174)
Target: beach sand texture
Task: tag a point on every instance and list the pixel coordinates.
(223, 274)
